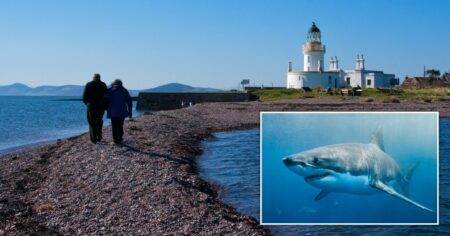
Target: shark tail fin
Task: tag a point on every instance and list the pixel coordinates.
(404, 184)
(377, 137)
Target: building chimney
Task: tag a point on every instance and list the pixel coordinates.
(362, 62)
(332, 63)
(336, 63)
(290, 67)
(358, 66)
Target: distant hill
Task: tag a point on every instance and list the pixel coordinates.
(178, 88)
(14, 89)
(18, 89)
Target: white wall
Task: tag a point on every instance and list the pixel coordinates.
(355, 78)
(300, 79)
(293, 80)
(325, 80)
(313, 80)
(379, 79)
(360, 78)
(374, 80)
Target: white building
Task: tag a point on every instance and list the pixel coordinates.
(314, 74)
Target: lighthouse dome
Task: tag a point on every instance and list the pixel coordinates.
(313, 28)
(314, 34)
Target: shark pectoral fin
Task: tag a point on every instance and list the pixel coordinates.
(387, 189)
(321, 195)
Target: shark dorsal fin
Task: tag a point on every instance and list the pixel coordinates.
(377, 138)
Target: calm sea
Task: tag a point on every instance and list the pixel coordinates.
(231, 159)
(30, 120)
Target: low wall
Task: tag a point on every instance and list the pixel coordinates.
(168, 101)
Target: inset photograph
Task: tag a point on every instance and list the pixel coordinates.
(349, 168)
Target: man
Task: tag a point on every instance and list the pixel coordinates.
(93, 97)
(119, 107)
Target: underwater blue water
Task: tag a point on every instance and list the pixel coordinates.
(408, 139)
(26, 120)
(239, 187)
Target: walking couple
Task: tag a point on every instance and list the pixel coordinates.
(116, 100)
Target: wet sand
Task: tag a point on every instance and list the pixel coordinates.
(149, 185)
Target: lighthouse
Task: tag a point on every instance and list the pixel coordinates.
(313, 50)
(314, 74)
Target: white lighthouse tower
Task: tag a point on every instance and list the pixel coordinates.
(313, 50)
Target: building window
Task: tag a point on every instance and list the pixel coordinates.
(329, 80)
(309, 59)
(348, 81)
(369, 82)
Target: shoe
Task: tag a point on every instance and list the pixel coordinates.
(115, 143)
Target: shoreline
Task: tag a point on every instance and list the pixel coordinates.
(24, 148)
(31, 146)
(151, 184)
(38, 144)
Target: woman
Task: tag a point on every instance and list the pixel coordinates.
(119, 107)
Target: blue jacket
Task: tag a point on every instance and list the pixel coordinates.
(119, 102)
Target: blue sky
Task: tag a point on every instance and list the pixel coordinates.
(212, 43)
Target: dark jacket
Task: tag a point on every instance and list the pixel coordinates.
(94, 94)
(119, 102)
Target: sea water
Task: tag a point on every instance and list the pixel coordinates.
(231, 159)
(27, 120)
(240, 185)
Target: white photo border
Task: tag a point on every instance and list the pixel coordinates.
(345, 112)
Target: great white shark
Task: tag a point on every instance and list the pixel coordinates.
(355, 168)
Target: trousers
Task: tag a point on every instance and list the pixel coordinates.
(117, 128)
(95, 120)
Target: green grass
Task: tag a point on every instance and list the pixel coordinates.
(278, 94)
(368, 95)
(433, 94)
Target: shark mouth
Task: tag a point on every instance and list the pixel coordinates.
(316, 177)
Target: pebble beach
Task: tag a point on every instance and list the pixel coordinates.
(150, 184)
